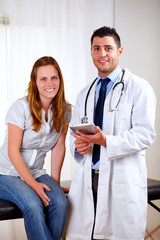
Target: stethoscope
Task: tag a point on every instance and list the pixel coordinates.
(119, 85)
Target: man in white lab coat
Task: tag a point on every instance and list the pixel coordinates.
(108, 197)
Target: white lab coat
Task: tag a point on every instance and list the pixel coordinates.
(122, 188)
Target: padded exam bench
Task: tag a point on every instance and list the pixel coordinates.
(153, 192)
(9, 210)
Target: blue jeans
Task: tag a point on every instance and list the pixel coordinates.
(42, 223)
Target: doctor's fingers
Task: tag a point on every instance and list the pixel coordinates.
(84, 138)
(83, 150)
(81, 140)
(99, 139)
(82, 147)
(81, 144)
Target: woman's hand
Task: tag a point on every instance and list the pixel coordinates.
(83, 141)
(40, 188)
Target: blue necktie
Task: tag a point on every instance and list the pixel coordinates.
(98, 116)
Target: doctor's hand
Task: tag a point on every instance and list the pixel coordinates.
(81, 146)
(83, 141)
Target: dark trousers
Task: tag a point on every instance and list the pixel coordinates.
(95, 177)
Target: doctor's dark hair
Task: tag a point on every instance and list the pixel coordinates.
(106, 31)
(58, 105)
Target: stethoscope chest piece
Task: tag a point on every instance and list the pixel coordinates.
(84, 120)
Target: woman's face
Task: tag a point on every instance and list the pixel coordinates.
(48, 83)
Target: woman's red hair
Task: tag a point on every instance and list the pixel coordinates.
(59, 104)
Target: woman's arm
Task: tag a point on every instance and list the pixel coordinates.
(57, 157)
(15, 135)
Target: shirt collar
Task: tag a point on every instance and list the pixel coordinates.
(112, 76)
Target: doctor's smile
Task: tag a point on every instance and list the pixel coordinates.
(103, 60)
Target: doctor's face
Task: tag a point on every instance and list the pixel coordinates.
(105, 55)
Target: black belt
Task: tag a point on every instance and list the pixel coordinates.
(96, 171)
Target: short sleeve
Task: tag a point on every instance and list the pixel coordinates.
(16, 114)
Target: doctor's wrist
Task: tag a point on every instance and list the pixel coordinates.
(104, 142)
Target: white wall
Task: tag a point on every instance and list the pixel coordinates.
(138, 23)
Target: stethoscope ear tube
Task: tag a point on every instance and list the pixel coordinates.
(85, 107)
(122, 88)
(123, 72)
(121, 81)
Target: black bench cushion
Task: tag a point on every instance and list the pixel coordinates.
(9, 210)
(153, 189)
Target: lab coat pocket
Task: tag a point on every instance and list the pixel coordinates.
(125, 182)
(123, 117)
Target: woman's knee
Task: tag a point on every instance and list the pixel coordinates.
(60, 203)
(33, 207)
(63, 204)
